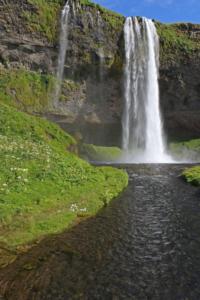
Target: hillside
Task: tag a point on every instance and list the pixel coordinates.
(44, 188)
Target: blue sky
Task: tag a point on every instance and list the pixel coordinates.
(162, 10)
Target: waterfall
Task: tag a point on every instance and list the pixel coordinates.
(143, 138)
(101, 50)
(63, 43)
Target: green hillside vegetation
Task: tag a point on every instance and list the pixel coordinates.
(174, 40)
(100, 153)
(44, 188)
(45, 18)
(27, 90)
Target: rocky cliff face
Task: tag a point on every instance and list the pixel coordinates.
(180, 82)
(19, 44)
(92, 91)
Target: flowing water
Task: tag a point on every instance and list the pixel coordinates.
(145, 245)
(63, 43)
(101, 50)
(143, 138)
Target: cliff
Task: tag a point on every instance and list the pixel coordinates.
(92, 92)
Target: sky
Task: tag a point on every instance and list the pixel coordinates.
(166, 11)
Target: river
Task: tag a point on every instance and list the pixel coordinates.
(144, 245)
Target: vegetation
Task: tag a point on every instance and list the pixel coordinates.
(191, 145)
(175, 40)
(192, 175)
(45, 18)
(189, 149)
(115, 20)
(27, 90)
(99, 153)
(44, 188)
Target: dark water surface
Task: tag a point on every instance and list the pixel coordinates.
(154, 229)
(144, 245)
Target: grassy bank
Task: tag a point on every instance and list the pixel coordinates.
(98, 153)
(27, 90)
(189, 150)
(44, 188)
(192, 175)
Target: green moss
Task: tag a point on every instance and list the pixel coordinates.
(44, 18)
(88, 3)
(114, 19)
(175, 41)
(26, 90)
(44, 187)
(99, 153)
(70, 85)
(192, 175)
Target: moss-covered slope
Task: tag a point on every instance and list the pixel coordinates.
(100, 153)
(26, 90)
(43, 187)
(178, 41)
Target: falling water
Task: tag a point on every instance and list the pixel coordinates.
(63, 42)
(143, 139)
(101, 50)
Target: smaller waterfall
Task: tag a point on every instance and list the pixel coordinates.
(143, 137)
(63, 43)
(101, 50)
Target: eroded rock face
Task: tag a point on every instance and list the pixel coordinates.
(180, 97)
(92, 92)
(19, 46)
(94, 61)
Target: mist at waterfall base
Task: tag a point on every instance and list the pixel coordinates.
(143, 136)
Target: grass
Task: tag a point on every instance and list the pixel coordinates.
(191, 145)
(99, 153)
(45, 18)
(113, 19)
(44, 188)
(192, 175)
(175, 41)
(26, 90)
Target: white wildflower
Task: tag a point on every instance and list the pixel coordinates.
(74, 208)
(83, 209)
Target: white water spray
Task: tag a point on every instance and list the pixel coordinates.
(63, 43)
(143, 138)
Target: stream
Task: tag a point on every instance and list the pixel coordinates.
(144, 245)
(155, 232)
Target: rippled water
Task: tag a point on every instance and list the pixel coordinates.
(145, 245)
(155, 252)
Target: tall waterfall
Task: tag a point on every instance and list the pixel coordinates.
(143, 139)
(63, 43)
